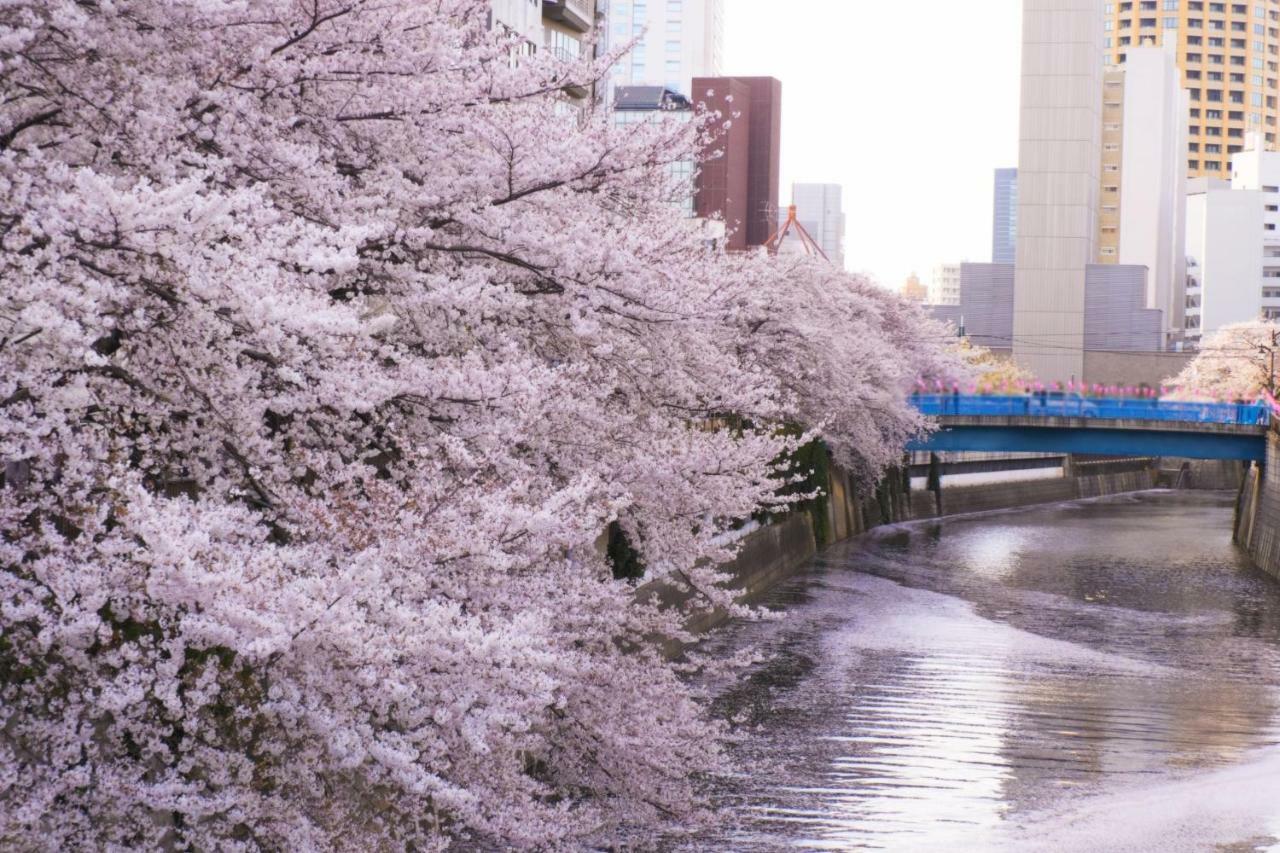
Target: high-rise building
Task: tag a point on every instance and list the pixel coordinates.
(944, 287)
(1004, 217)
(1141, 218)
(678, 41)
(820, 209)
(1233, 244)
(1059, 163)
(560, 27)
(1229, 56)
(1115, 295)
(739, 170)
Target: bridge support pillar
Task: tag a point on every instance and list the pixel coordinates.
(1068, 466)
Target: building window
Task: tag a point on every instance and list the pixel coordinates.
(563, 46)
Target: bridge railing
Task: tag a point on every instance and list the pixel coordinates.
(1101, 408)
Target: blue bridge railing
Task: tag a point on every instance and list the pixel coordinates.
(1102, 408)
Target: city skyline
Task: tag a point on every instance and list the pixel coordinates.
(944, 133)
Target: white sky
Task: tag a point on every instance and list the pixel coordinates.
(909, 105)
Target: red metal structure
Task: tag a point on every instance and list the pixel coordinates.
(793, 228)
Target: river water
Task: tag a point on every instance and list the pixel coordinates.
(1092, 676)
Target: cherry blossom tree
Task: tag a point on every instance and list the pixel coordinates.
(995, 373)
(332, 336)
(1234, 363)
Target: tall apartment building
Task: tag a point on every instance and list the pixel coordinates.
(820, 208)
(1059, 167)
(1004, 217)
(1229, 57)
(944, 287)
(1233, 244)
(558, 26)
(740, 168)
(678, 41)
(1143, 185)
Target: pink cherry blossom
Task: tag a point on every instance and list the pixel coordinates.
(333, 337)
(1233, 363)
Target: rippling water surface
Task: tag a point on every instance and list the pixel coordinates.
(1093, 676)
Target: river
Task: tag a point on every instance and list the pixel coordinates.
(1102, 675)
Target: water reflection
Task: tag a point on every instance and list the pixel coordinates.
(965, 684)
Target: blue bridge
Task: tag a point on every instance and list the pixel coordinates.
(1057, 423)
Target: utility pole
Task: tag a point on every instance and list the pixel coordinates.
(1271, 351)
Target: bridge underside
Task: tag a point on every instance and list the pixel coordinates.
(1095, 441)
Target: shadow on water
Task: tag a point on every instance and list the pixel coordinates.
(942, 684)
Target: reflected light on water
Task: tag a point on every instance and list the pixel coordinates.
(946, 686)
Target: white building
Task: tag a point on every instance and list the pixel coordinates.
(679, 40)
(523, 17)
(559, 27)
(1225, 248)
(1233, 243)
(637, 104)
(820, 208)
(1153, 179)
(944, 287)
(1059, 181)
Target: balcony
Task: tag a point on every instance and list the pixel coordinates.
(574, 14)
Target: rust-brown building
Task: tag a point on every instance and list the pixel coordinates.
(740, 185)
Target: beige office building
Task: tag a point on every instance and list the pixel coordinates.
(1229, 55)
(678, 41)
(1059, 167)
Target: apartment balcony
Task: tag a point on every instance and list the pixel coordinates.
(575, 90)
(574, 14)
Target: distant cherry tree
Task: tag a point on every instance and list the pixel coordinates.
(1234, 363)
(333, 335)
(995, 373)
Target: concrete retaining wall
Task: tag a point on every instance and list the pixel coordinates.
(1087, 483)
(769, 556)
(1258, 510)
(776, 552)
(1218, 475)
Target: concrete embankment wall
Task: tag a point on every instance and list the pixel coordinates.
(1086, 482)
(1218, 475)
(1258, 510)
(777, 551)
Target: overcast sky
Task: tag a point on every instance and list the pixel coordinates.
(910, 106)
